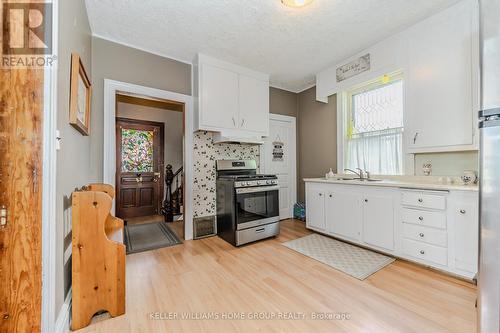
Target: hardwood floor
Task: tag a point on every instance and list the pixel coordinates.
(211, 277)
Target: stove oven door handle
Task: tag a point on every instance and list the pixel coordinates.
(257, 189)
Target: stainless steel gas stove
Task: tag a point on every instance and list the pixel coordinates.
(247, 203)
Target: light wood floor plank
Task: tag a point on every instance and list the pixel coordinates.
(210, 275)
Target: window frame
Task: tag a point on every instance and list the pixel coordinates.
(344, 104)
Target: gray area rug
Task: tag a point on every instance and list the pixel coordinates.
(149, 236)
(355, 261)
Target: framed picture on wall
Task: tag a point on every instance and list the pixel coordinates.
(80, 96)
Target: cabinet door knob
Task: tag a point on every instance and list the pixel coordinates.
(320, 194)
(366, 200)
(420, 200)
(421, 234)
(421, 218)
(462, 211)
(330, 195)
(422, 252)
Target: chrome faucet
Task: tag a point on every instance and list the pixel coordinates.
(359, 174)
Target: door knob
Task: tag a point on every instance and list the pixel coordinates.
(157, 176)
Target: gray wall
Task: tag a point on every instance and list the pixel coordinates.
(317, 139)
(122, 63)
(73, 160)
(282, 102)
(173, 131)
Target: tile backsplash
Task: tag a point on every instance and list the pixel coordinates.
(205, 153)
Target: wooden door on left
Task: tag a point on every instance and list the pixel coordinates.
(21, 114)
(139, 167)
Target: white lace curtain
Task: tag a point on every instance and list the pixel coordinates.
(374, 138)
(380, 153)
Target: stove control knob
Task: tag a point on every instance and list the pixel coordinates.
(269, 182)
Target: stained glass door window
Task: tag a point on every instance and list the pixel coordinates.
(137, 150)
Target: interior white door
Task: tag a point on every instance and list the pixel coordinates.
(278, 156)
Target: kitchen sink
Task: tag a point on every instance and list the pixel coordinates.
(357, 179)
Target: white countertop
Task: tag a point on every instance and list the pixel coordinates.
(413, 182)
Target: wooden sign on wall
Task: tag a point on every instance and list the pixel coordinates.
(355, 67)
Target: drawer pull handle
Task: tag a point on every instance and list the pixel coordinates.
(420, 200)
(366, 200)
(422, 252)
(258, 231)
(462, 211)
(320, 194)
(421, 234)
(421, 218)
(330, 195)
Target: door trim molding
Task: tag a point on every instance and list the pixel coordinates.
(111, 88)
(49, 184)
(293, 153)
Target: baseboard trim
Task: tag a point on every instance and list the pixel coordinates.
(63, 319)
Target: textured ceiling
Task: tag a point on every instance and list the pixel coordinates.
(290, 44)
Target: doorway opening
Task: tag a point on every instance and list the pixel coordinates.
(150, 161)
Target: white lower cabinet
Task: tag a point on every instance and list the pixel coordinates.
(435, 228)
(353, 213)
(315, 200)
(464, 212)
(343, 213)
(378, 219)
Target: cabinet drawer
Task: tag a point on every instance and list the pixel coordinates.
(427, 252)
(423, 200)
(423, 217)
(425, 234)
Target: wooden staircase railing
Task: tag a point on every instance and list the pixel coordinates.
(174, 200)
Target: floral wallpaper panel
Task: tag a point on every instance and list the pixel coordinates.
(205, 153)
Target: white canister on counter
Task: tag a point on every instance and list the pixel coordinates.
(469, 177)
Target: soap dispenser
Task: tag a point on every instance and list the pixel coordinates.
(330, 174)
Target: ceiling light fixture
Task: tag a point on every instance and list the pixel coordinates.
(296, 3)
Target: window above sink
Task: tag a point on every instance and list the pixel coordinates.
(373, 126)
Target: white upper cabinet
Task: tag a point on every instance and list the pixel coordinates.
(219, 97)
(230, 98)
(441, 101)
(254, 104)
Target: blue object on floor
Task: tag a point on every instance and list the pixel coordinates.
(299, 211)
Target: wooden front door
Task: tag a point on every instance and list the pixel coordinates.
(139, 167)
(21, 114)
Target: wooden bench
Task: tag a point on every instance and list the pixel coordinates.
(98, 264)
